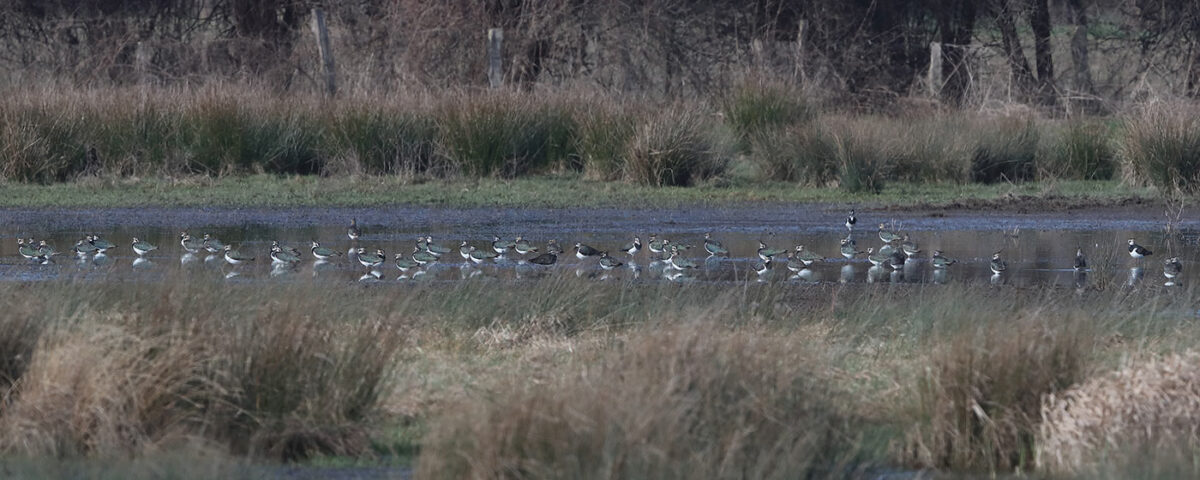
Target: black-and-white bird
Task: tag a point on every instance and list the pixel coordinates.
(851, 220)
(1080, 260)
(997, 264)
(1172, 268)
(1138, 251)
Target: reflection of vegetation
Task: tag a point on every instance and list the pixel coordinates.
(581, 377)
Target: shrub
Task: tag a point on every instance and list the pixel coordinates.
(686, 402)
(679, 147)
(1161, 147)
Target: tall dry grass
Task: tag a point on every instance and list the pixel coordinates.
(284, 377)
(1161, 147)
(687, 401)
(1142, 413)
(46, 136)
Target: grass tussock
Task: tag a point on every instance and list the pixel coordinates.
(978, 403)
(1150, 407)
(679, 147)
(678, 402)
(284, 379)
(764, 106)
(1081, 149)
(50, 136)
(1161, 147)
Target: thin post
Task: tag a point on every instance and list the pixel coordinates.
(141, 62)
(495, 71)
(325, 50)
(935, 68)
(799, 71)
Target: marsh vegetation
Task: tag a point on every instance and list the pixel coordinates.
(569, 377)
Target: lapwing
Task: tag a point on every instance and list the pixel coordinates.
(544, 259)
(766, 253)
(480, 256)
(1172, 268)
(887, 236)
(1080, 260)
(101, 244)
(679, 263)
(423, 257)
(878, 259)
(523, 247)
(353, 232)
(714, 247)
(607, 262)
(501, 246)
(189, 244)
(283, 257)
(323, 253)
(633, 247)
(656, 245)
(909, 247)
(849, 250)
(851, 220)
(807, 257)
(371, 260)
(44, 250)
(235, 257)
(1138, 251)
(26, 250)
(997, 265)
(286, 249)
(583, 251)
(212, 244)
(405, 264)
(552, 247)
(141, 247)
(794, 263)
(84, 247)
(940, 261)
(435, 248)
(465, 251)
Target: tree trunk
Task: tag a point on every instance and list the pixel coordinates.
(1022, 77)
(1039, 20)
(956, 24)
(1079, 48)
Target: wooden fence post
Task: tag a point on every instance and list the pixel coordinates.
(935, 69)
(325, 51)
(799, 70)
(495, 71)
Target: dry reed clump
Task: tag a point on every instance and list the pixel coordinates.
(287, 378)
(1112, 419)
(681, 146)
(1161, 147)
(506, 134)
(691, 401)
(107, 392)
(977, 405)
